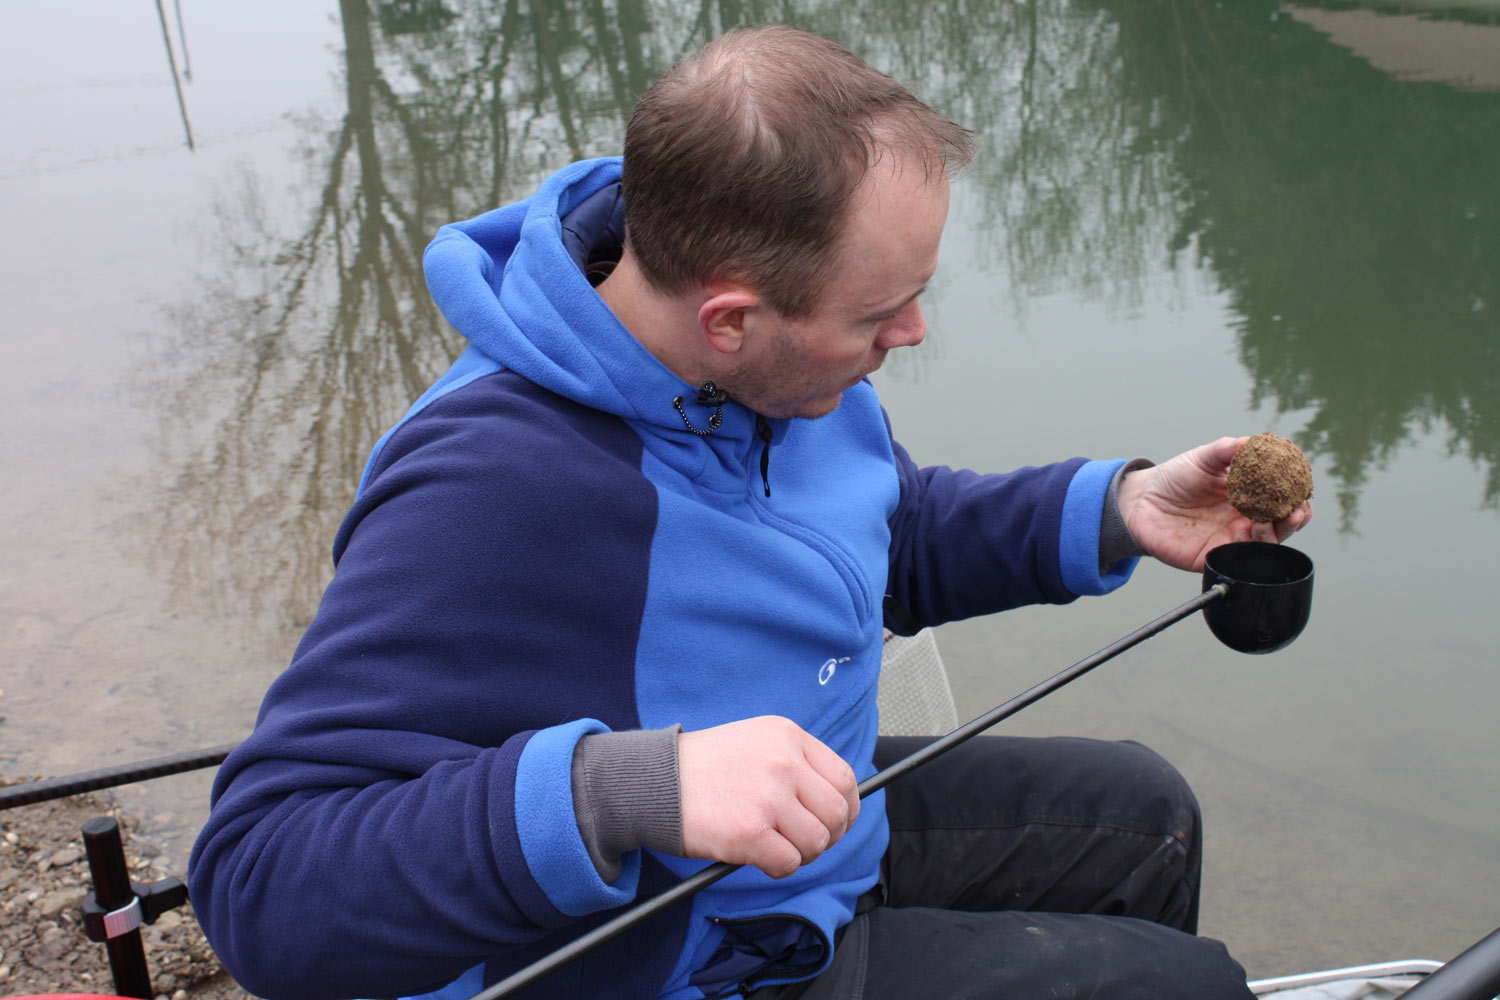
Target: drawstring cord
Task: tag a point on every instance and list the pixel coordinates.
(711, 395)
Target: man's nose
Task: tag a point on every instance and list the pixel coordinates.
(907, 328)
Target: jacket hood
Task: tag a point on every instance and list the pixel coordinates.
(513, 282)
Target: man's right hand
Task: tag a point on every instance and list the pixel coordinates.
(763, 792)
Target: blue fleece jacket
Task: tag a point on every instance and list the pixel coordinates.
(541, 550)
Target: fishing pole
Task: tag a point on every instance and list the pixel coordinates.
(581, 946)
(109, 777)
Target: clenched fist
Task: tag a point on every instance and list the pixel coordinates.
(763, 792)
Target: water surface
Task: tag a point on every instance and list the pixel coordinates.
(1187, 219)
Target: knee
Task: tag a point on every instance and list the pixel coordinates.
(1164, 964)
(1138, 788)
(1166, 782)
(1123, 957)
(1202, 969)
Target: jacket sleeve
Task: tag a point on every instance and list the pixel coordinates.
(966, 544)
(403, 809)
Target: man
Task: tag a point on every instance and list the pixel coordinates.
(579, 634)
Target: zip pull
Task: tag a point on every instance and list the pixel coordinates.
(764, 430)
(709, 395)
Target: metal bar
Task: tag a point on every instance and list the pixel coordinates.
(579, 947)
(166, 39)
(1374, 970)
(187, 60)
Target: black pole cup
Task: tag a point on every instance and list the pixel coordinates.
(1269, 595)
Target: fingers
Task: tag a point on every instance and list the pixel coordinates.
(774, 855)
(1260, 531)
(823, 818)
(1279, 531)
(1293, 522)
(809, 836)
(835, 801)
(763, 792)
(1224, 449)
(827, 800)
(1214, 457)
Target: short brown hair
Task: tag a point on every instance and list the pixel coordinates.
(740, 162)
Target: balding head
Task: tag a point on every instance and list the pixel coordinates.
(741, 162)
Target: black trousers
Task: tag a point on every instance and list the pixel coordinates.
(1031, 868)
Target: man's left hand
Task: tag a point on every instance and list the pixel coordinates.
(1180, 509)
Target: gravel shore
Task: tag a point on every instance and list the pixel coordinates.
(44, 879)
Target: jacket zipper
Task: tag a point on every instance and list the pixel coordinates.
(764, 430)
(796, 972)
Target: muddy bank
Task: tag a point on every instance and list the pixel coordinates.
(44, 879)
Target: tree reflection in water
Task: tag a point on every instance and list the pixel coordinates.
(299, 351)
(1118, 135)
(1354, 220)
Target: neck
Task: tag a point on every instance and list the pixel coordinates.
(666, 325)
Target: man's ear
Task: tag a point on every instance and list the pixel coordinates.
(724, 314)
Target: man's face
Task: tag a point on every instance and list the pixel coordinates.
(801, 367)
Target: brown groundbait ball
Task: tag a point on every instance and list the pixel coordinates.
(1268, 478)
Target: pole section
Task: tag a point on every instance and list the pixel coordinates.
(581, 946)
(113, 893)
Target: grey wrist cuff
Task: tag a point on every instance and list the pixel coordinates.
(626, 795)
(1115, 540)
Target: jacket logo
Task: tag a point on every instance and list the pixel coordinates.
(826, 671)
